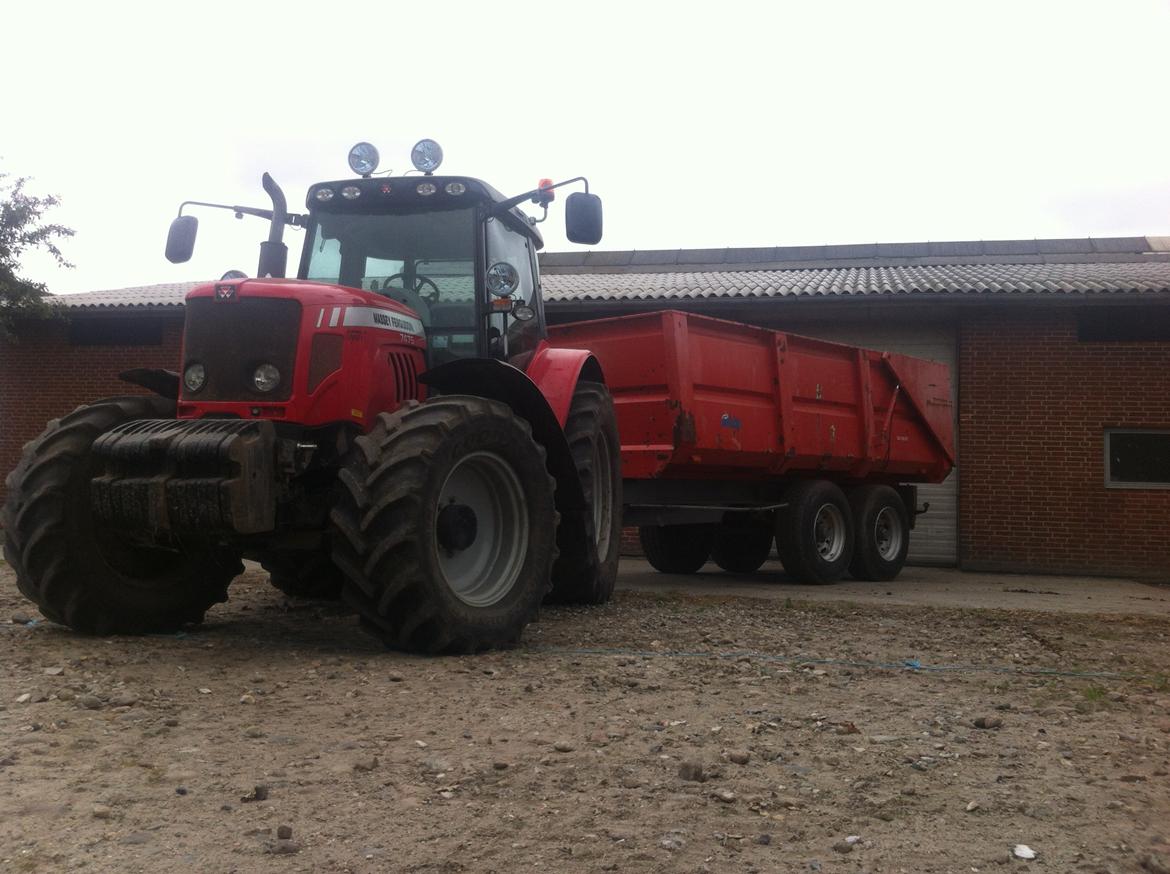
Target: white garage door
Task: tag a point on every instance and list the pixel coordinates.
(935, 537)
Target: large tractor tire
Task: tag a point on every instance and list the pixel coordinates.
(590, 542)
(814, 532)
(94, 579)
(883, 533)
(304, 573)
(677, 549)
(743, 542)
(446, 527)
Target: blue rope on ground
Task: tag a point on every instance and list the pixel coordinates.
(906, 665)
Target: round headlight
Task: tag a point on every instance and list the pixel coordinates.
(363, 159)
(523, 313)
(426, 156)
(266, 377)
(194, 377)
(454, 187)
(324, 194)
(351, 192)
(426, 189)
(502, 279)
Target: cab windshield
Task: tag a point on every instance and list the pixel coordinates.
(425, 260)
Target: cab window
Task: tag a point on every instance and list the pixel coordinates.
(505, 244)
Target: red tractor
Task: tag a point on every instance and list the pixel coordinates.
(391, 427)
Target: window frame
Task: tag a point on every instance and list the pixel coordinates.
(1110, 483)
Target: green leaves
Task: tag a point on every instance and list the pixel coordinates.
(22, 229)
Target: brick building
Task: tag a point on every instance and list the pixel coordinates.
(1060, 352)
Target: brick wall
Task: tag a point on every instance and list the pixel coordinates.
(1034, 404)
(42, 377)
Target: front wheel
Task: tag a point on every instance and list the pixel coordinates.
(814, 532)
(446, 527)
(743, 542)
(303, 573)
(94, 578)
(677, 549)
(883, 533)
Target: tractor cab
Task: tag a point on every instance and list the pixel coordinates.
(456, 251)
(440, 246)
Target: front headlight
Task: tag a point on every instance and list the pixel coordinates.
(266, 377)
(194, 377)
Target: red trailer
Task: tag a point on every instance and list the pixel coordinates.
(732, 434)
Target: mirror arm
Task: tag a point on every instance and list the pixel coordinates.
(505, 205)
(293, 219)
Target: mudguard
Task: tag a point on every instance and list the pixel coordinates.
(489, 378)
(557, 371)
(164, 383)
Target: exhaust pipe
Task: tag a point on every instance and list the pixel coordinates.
(273, 252)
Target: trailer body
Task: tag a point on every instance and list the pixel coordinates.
(700, 398)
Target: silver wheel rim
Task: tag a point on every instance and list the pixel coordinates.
(602, 495)
(484, 572)
(887, 534)
(829, 532)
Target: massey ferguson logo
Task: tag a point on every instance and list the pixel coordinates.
(225, 292)
(389, 321)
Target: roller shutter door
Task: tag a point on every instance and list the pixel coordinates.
(935, 537)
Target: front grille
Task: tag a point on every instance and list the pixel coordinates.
(231, 339)
(405, 375)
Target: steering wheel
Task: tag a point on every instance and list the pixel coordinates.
(419, 282)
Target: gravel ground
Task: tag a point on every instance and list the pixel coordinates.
(664, 732)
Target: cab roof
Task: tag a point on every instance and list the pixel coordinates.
(402, 193)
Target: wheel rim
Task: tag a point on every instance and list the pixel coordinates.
(829, 532)
(481, 566)
(602, 495)
(887, 534)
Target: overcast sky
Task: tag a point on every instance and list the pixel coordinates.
(713, 124)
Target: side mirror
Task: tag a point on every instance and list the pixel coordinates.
(583, 218)
(181, 239)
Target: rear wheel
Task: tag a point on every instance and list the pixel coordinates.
(93, 578)
(743, 542)
(677, 549)
(446, 528)
(883, 533)
(303, 573)
(814, 532)
(589, 542)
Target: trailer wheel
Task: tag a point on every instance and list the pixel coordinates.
(445, 530)
(814, 533)
(677, 549)
(883, 533)
(92, 578)
(742, 543)
(589, 543)
(303, 573)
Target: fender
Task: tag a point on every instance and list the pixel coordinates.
(164, 383)
(489, 378)
(557, 371)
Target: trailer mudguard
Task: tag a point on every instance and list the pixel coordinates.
(489, 378)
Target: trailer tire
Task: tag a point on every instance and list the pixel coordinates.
(85, 576)
(814, 532)
(445, 529)
(590, 542)
(301, 573)
(742, 543)
(883, 533)
(677, 549)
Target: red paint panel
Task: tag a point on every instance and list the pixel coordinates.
(367, 383)
(703, 397)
